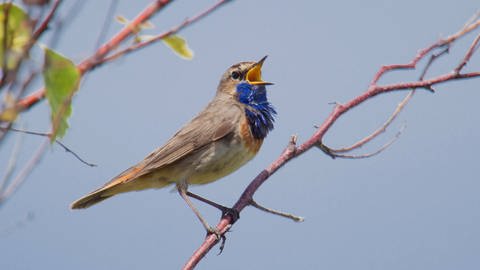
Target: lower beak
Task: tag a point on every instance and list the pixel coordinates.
(254, 75)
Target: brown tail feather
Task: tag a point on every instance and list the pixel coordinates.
(116, 185)
(90, 199)
(129, 180)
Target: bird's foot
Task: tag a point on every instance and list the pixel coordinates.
(214, 231)
(219, 236)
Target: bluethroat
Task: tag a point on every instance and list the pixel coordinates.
(218, 141)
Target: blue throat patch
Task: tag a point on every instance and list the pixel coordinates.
(260, 113)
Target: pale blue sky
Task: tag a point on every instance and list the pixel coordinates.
(415, 206)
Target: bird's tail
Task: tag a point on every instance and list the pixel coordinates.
(91, 199)
(130, 180)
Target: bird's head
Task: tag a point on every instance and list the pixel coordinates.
(243, 81)
(243, 75)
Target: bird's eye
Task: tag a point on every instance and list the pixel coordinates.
(235, 75)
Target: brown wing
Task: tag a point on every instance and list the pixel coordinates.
(216, 121)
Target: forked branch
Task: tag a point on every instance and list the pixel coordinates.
(293, 151)
(106, 52)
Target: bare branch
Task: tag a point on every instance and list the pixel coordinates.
(106, 23)
(172, 31)
(468, 55)
(332, 152)
(48, 135)
(91, 62)
(293, 151)
(276, 212)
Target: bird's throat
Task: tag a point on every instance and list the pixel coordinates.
(259, 112)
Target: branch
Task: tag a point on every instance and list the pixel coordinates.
(172, 31)
(10, 75)
(115, 41)
(335, 152)
(292, 151)
(48, 135)
(100, 56)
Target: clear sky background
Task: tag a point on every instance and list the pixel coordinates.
(415, 206)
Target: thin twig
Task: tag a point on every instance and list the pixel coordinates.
(276, 212)
(165, 34)
(333, 152)
(45, 23)
(471, 25)
(48, 135)
(92, 61)
(468, 55)
(107, 22)
(63, 21)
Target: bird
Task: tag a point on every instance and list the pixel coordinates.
(224, 136)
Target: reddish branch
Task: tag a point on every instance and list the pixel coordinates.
(293, 151)
(172, 31)
(90, 62)
(101, 56)
(44, 25)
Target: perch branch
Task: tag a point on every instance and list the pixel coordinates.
(292, 151)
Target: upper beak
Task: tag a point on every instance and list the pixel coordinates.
(254, 74)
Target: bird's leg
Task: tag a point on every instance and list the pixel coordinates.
(182, 190)
(275, 212)
(234, 214)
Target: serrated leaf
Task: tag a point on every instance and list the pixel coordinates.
(19, 33)
(61, 78)
(179, 46)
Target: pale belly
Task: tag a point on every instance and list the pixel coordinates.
(219, 160)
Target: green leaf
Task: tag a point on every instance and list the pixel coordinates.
(61, 78)
(179, 46)
(19, 32)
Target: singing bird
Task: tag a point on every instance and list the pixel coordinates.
(219, 140)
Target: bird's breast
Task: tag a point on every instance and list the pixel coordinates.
(251, 143)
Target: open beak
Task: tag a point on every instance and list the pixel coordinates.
(254, 75)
